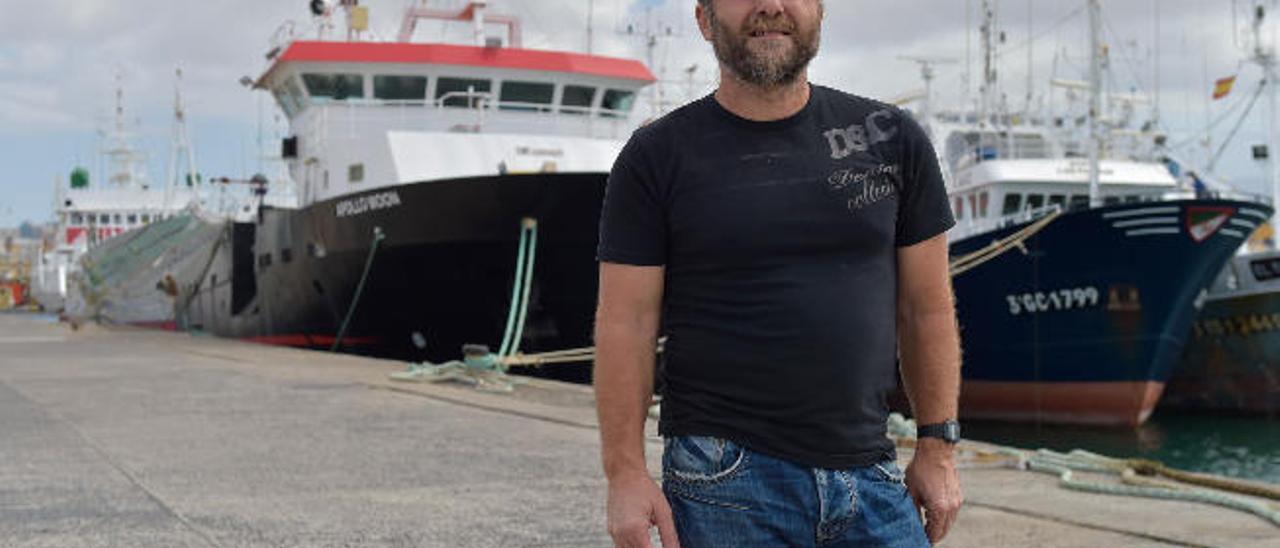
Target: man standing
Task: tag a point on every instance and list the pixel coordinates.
(788, 239)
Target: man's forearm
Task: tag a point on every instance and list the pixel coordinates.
(624, 387)
(929, 351)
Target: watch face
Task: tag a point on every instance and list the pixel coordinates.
(952, 431)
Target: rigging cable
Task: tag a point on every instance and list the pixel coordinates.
(1239, 123)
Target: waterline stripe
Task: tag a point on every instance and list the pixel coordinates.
(1152, 231)
(1147, 221)
(1137, 212)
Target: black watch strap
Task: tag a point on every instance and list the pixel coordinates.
(948, 431)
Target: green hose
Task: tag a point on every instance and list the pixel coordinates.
(518, 312)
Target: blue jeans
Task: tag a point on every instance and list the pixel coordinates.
(725, 495)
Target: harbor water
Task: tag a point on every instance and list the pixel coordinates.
(1236, 446)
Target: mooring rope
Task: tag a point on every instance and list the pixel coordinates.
(378, 236)
(1134, 474)
(1000, 247)
(518, 311)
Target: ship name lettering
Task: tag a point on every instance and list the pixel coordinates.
(1037, 302)
(531, 151)
(365, 204)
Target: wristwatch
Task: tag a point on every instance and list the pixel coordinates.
(948, 431)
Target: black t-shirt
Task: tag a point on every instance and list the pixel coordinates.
(779, 241)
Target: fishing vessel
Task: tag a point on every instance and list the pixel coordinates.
(89, 217)
(421, 168)
(1232, 361)
(1083, 320)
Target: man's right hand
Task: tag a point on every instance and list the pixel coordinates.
(636, 505)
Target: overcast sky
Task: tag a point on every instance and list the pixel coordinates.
(58, 61)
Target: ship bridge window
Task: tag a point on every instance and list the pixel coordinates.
(1035, 201)
(400, 88)
(1266, 269)
(1012, 204)
(117, 218)
(617, 103)
(528, 96)
(461, 92)
(77, 219)
(132, 219)
(577, 99)
(335, 87)
(104, 219)
(146, 218)
(290, 97)
(1059, 200)
(1079, 201)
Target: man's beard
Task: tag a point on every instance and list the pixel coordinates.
(768, 69)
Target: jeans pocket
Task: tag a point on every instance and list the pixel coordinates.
(702, 459)
(889, 471)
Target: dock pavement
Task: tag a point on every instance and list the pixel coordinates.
(114, 437)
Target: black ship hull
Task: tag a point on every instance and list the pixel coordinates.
(441, 278)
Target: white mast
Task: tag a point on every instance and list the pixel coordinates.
(928, 72)
(1095, 100)
(591, 26)
(1265, 56)
(127, 164)
(988, 89)
(180, 148)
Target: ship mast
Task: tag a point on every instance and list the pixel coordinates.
(1265, 56)
(126, 163)
(989, 76)
(180, 147)
(1095, 100)
(928, 72)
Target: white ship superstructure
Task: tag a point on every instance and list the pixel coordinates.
(368, 115)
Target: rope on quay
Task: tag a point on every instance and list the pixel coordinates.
(1000, 247)
(485, 370)
(1137, 476)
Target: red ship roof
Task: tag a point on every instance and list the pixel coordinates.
(472, 56)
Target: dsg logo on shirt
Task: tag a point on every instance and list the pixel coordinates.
(859, 137)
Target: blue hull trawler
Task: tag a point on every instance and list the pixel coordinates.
(1084, 317)
(418, 167)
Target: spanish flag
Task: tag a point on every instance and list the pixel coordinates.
(1222, 87)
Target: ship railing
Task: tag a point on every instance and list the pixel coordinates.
(978, 226)
(1125, 146)
(473, 112)
(988, 150)
(1219, 194)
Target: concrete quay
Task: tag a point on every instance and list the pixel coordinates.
(131, 438)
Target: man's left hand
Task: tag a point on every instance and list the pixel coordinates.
(934, 484)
